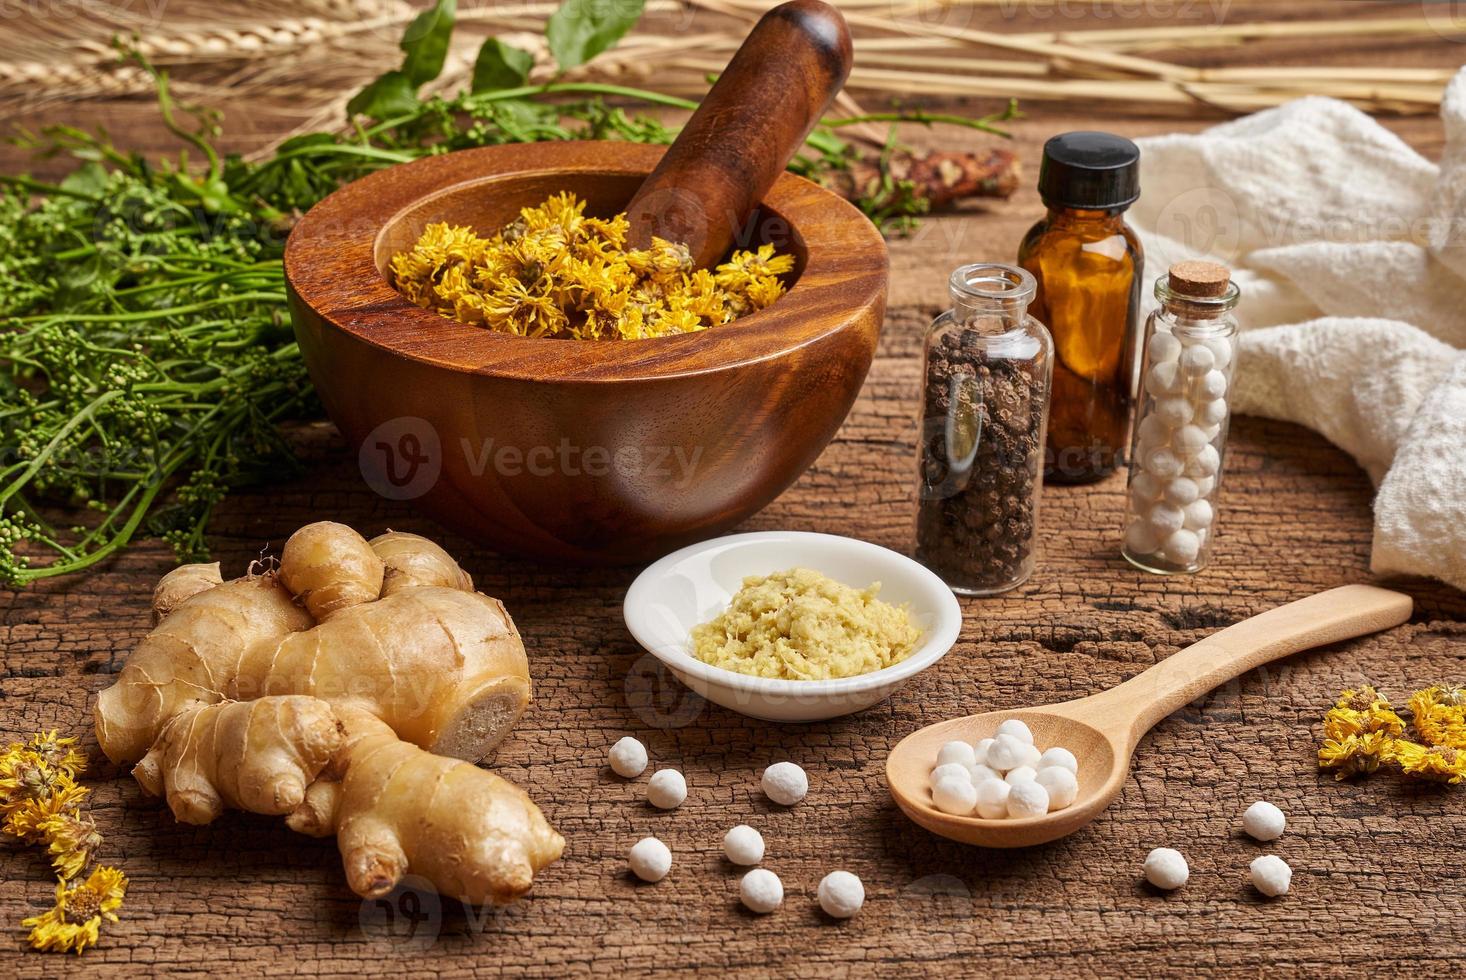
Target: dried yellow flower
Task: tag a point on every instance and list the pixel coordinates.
(1438, 715)
(556, 273)
(1353, 755)
(72, 841)
(25, 776)
(1439, 763)
(27, 819)
(75, 922)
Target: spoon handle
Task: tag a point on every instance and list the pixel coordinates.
(1132, 708)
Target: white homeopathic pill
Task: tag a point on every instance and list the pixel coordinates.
(1058, 756)
(1197, 359)
(1182, 547)
(1163, 347)
(1166, 868)
(840, 894)
(1171, 412)
(955, 796)
(743, 845)
(1211, 413)
(1263, 821)
(1154, 431)
(1189, 439)
(1199, 514)
(1163, 463)
(992, 799)
(650, 859)
(628, 757)
(951, 770)
(1181, 491)
(980, 750)
(1141, 538)
(1271, 875)
(956, 751)
(1212, 385)
(785, 783)
(1007, 753)
(1221, 350)
(1204, 463)
(1027, 799)
(1167, 519)
(1021, 774)
(981, 774)
(761, 891)
(1165, 379)
(666, 789)
(1061, 784)
(1018, 729)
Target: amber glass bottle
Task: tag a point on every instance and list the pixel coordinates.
(1089, 266)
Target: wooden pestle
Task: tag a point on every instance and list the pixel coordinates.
(778, 85)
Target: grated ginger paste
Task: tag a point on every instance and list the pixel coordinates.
(802, 625)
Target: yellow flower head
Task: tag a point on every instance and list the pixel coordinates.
(27, 819)
(1439, 716)
(72, 841)
(1439, 763)
(24, 775)
(1361, 712)
(1353, 755)
(58, 752)
(75, 922)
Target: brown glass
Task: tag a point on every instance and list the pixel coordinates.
(1088, 266)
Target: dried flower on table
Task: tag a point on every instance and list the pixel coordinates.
(1362, 731)
(75, 922)
(559, 274)
(41, 803)
(1438, 715)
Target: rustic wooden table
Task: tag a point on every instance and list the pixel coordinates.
(1378, 872)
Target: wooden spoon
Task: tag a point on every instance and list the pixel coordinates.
(781, 80)
(1103, 729)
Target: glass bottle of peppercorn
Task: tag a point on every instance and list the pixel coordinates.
(986, 369)
(1088, 264)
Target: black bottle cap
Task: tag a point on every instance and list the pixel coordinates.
(1089, 171)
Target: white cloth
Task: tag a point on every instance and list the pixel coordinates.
(1350, 251)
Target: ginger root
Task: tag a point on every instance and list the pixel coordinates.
(339, 713)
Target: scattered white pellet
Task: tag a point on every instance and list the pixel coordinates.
(666, 789)
(992, 799)
(951, 770)
(1058, 756)
(628, 758)
(1061, 784)
(1027, 799)
(1017, 729)
(1212, 386)
(761, 891)
(955, 796)
(650, 859)
(1271, 875)
(743, 845)
(980, 751)
(841, 894)
(1166, 868)
(1007, 753)
(1020, 775)
(785, 783)
(959, 752)
(981, 774)
(1263, 821)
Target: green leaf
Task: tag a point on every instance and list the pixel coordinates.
(500, 65)
(89, 178)
(582, 29)
(392, 94)
(425, 42)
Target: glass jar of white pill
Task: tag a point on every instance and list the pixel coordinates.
(1180, 437)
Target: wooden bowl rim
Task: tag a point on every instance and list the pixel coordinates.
(330, 267)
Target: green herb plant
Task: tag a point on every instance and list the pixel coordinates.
(147, 361)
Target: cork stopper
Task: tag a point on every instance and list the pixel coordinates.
(1202, 280)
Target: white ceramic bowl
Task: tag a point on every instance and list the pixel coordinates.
(693, 585)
